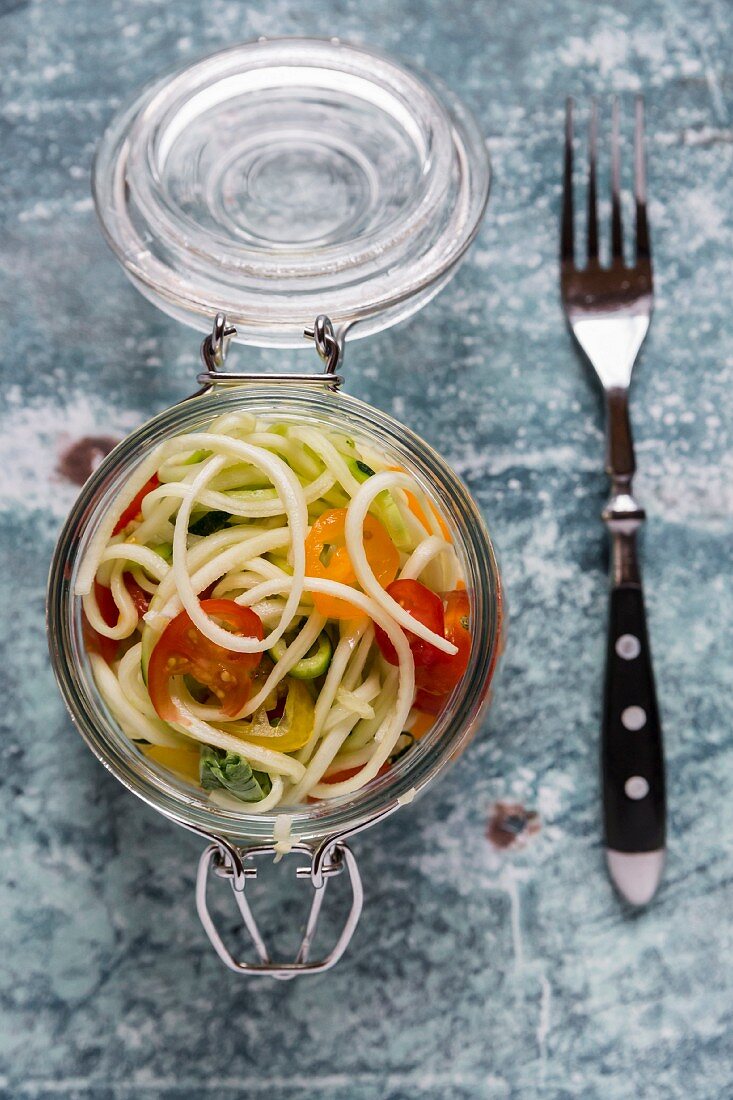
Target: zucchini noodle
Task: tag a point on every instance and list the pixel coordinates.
(255, 522)
(127, 619)
(150, 561)
(136, 725)
(428, 550)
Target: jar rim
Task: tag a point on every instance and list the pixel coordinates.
(407, 776)
(194, 189)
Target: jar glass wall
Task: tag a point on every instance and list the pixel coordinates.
(407, 776)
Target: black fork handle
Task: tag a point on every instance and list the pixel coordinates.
(632, 756)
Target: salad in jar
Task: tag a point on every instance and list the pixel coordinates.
(274, 611)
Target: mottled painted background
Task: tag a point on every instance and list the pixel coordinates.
(477, 971)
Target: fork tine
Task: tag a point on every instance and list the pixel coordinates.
(592, 184)
(617, 237)
(643, 249)
(567, 242)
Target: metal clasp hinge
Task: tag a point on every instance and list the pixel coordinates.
(238, 866)
(215, 346)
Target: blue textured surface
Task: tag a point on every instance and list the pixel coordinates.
(475, 972)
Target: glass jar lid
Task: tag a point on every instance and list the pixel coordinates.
(284, 178)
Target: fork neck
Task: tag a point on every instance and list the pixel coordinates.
(620, 461)
(622, 515)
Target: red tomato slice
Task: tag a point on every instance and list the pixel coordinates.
(429, 704)
(182, 649)
(424, 606)
(140, 597)
(99, 643)
(446, 670)
(134, 508)
(347, 773)
(106, 604)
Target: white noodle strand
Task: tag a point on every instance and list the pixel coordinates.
(355, 516)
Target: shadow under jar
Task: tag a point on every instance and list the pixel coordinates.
(211, 248)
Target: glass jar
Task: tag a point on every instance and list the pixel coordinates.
(319, 830)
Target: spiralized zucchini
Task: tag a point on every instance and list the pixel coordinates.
(224, 515)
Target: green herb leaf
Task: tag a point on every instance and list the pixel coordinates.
(210, 523)
(383, 506)
(231, 772)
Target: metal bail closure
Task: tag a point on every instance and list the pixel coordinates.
(237, 866)
(215, 346)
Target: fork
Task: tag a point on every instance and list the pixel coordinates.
(609, 309)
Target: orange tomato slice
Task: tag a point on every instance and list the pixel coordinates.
(417, 510)
(423, 722)
(327, 558)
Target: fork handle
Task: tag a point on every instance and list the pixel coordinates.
(632, 755)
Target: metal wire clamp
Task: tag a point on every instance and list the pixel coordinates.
(331, 857)
(215, 346)
(237, 866)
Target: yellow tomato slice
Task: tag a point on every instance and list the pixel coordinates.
(185, 762)
(295, 726)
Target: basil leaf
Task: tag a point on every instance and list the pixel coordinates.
(231, 772)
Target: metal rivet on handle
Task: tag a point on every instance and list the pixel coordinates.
(628, 647)
(636, 787)
(633, 718)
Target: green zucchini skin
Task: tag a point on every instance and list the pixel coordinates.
(313, 664)
(383, 506)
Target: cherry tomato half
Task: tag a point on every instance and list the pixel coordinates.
(182, 649)
(424, 606)
(326, 557)
(446, 670)
(134, 508)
